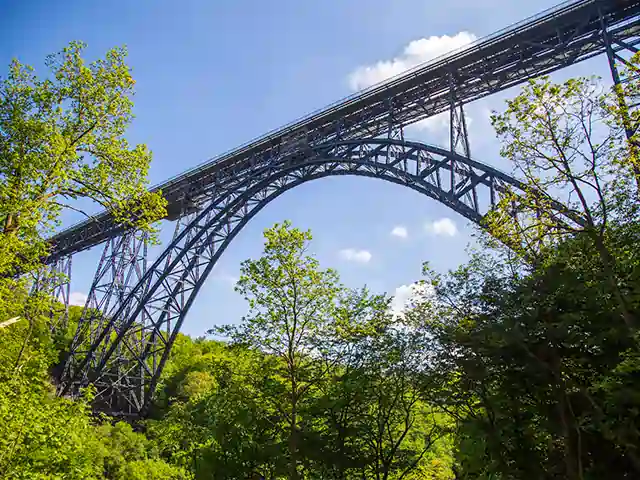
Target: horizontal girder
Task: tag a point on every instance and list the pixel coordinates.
(568, 34)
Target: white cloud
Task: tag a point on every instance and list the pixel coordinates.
(415, 53)
(353, 255)
(78, 299)
(444, 226)
(437, 124)
(407, 295)
(400, 231)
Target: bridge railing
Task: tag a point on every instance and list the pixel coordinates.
(563, 7)
(514, 29)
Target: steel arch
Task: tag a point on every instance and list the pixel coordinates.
(554, 39)
(125, 361)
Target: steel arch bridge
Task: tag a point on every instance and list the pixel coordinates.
(127, 351)
(135, 310)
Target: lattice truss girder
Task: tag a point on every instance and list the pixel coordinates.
(125, 360)
(536, 48)
(55, 281)
(122, 265)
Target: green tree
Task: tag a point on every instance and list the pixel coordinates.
(524, 363)
(291, 303)
(62, 140)
(374, 420)
(43, 436)
(222, 409)
(564, 144)
(212, 418)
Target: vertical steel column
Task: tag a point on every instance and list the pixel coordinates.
(394, 131)
(614, 59)
(459, 144)
(57, 283)
(62, 291)
(122, 265)
(458, 134)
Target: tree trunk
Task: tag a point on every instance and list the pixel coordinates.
(605, 257)
(10, 224)
(293, 448)
(293, 433)
(572, 471)
(567, 421)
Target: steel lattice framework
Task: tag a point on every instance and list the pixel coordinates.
(125, 359)
(569, 34)
(134, 312)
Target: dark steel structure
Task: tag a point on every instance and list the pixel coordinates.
(134, 310)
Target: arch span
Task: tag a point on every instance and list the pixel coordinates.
(125, 361)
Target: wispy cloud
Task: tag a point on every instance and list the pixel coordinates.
(442, 227)
(400, 231)
(354, 255)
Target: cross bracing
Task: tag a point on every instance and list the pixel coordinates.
(563, 36)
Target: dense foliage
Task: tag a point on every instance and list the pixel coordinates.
(43, 436)
(318, 382)
(523, 363)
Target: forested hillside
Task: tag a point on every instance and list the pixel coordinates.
(523, 363)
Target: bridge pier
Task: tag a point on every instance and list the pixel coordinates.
(614, 48)
(61, 291)
(55, 280)
(122, 265)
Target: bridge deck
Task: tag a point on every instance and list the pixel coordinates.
(556, 38)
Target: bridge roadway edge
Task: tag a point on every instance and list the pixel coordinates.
(538, 31)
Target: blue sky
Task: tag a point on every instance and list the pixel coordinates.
(213, 74)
